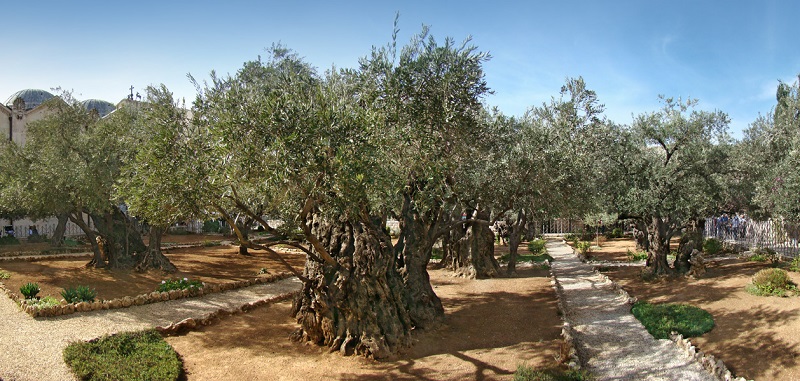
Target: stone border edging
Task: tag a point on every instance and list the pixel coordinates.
(186, 325)
(138, 300)
(707, 361)
(573, 361)
(39, 257)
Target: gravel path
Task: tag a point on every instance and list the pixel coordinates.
(611, 343)
(30, 349)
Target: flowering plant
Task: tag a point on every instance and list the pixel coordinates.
(179, 284)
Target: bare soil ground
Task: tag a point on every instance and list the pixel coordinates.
(757, 337)
(491, 327)
(213, 265)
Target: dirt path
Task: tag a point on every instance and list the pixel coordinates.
(611, 342)
(31, 348)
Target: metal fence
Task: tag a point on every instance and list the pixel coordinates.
(43, 229)
(559, 226)
(779, 235)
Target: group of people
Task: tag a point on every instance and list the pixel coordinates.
(734, 226)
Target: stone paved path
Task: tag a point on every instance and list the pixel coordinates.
(30, 349)
(612, 344)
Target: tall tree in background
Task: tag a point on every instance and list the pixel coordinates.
(673, 160)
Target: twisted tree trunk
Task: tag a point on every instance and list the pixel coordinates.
(61, 229)
(472, 250)
(659, 235)
(154, 258)
(357, 305)
(515, 229)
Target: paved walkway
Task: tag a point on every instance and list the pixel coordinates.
(612, 344)
(31, 349)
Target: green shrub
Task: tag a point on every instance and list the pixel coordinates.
(712, 246)
(794, 266)
(37, 238)
(47, 301)
(528, 258)
(179, 284)
(4, 274)
(212, 226)
(79, 294)
(69, 242)
(126, 356)
(571, 237)
(526, 373)
(614, 233)
(584, 247)
(661, 319)
(764, 254)
(436, 253)
(9, 240)
(208, 243)
(771, 282)
(537, 246)
(29, 290)
(636, 255)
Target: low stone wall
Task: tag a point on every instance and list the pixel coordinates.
(138, 300)
(189, 324)
(713, 365)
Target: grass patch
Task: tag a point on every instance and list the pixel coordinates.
(526, 373)
(436, 254)
(661, 319)
(127, 356)
(9, 240)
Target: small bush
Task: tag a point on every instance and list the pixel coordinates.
(712, 246)
(179, 284)
(537, 246)
(36, 238)
(764, 254)
(584, 247)
(436, 253)
(661, 319)
(528, 258)
(771, 282)
(29, 290)
(571, 237)
(526, 373)
(9, 240)
(615, 233)
(212, 226)
(69, 242)
(79, 294)
(208, 243)
(794, 266)
(636, 255)
(4, 274)
(126, 356)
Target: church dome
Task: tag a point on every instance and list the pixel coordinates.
(31, 97)
(103, 108)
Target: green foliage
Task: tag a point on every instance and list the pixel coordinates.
(69, 242)
(764, 254)
(209, 243)
(771, 282)
(584, 247)
(212, 226)
(179, 284)
(636, 255)
(712, 246)
(661, 319)
(436, 253)
(526, 373)
(45, 302)
(37, 238)
(615, 233)
(794, 266)
(4, 274)
(142, 356)
(79, 294)
(29, 290)
(537, 246)
(9, 240)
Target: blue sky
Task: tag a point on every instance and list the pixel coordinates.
(728, 54)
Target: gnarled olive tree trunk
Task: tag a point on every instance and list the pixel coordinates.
(413, 250)
(515, 229)
(61, 229)
(691, 240)
(659, 236)
(153, 257)
(472, 249)
(356, 306)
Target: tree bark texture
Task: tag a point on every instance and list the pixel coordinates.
(357, 305)
(659, 235)
(414, 249)
(472, 250)
(515, 229)
(61, 229)
(154, 258)
(691, 240)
